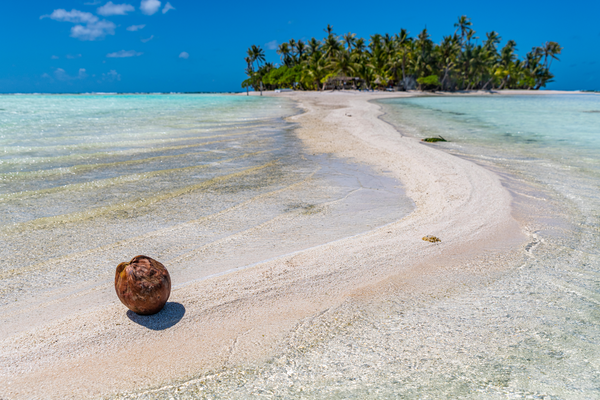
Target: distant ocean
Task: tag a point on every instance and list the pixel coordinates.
(204, 183)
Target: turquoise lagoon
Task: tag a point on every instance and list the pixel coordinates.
(84, 173)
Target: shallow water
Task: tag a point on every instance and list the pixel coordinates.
(204, 183)
(530, 331)
(527, 325)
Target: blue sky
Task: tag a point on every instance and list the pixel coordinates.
(131, 46)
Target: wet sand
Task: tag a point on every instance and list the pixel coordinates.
(247, 316)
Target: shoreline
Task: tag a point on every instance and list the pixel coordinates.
(246, 316)
(240, 93)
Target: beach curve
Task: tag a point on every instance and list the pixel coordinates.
(244, 316)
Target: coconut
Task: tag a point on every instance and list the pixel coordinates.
(143, 285)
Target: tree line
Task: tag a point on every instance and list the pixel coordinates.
(461, 61)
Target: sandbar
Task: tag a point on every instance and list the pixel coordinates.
(247, 316)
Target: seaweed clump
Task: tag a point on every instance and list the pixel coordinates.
(431, 239)
(434, 139)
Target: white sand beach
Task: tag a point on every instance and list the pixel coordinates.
(247, 316)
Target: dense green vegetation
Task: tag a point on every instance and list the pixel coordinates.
(461, 61)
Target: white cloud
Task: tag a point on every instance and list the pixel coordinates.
(148, 39)
(124, 54)
(72, 56)
(93, 31)
(62, 75)
(111, 76)
(114, 9)
(272, 45)
(149, 7)
(55, 57)
(134, 28)
(168, 7)
(184, 54)
(45, 75)
(74, 16)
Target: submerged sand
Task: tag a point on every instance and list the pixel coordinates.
(247, 316)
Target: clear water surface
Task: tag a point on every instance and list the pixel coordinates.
(533, 332)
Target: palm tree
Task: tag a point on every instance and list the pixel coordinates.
(300, 50)
(551, 49)
(448, 52)
(315, 69)
(313, 46)
(359, 46)
(471, 36)
(459, 61)
(292, 43)
(403, 43)
(394, 64)
(464, 26)
(536, 71)
(349, 39)
(250, 72)
(256, 54)
(422, 65)
(492, 40)
(344, 64)
(507, 59)
(379, 64)
(478, 66)
(331, 46)
(367, 74)
(284, 52)
(376, 41)
(389, 42)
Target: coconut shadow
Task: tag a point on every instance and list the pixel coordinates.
(169, 316)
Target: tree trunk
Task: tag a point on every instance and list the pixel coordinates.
(487, 83)
(444, 78)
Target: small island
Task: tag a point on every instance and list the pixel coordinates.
(461, 61)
